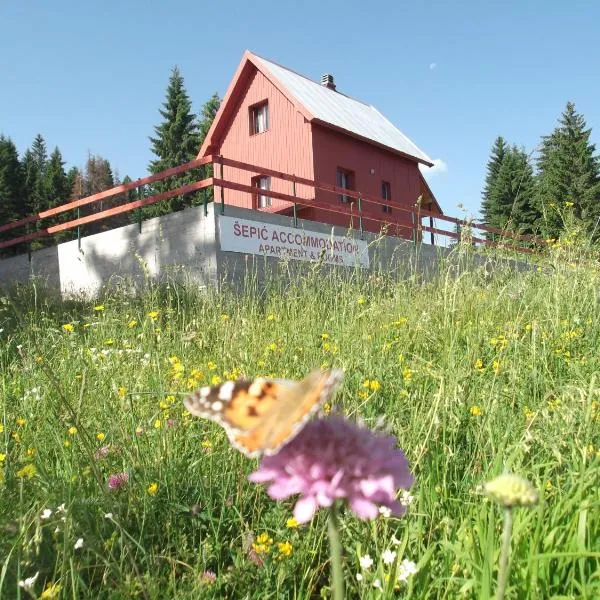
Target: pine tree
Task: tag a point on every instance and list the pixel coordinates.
(57, 190)
(38, 199)
(512, 194)
(176, 143)
(569, 175)
(497, 154)
(11, 177)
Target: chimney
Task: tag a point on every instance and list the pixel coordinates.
(327, 81)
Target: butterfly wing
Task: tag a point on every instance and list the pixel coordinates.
(260, 416)
(294, 407)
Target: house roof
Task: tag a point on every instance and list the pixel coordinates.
(323, 106)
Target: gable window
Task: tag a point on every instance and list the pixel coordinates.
(262, 183)
(259, 118)
(386, 194)
(344, 179)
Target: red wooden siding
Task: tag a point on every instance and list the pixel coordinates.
(286, 146)
(333, 150)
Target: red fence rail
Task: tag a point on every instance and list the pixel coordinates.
(359, 212)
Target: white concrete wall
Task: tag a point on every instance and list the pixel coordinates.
(185, 246)
(180, 245)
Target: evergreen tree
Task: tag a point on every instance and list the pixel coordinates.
(569, 175)
(56, 184)
(497, 154)
(38, 199)
(11, 185)
(512, 194)
(175, 143)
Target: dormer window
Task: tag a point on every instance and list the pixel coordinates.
(259, 118)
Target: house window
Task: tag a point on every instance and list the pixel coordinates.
(263, 183)
(386, 194)
(345, 179)
(259, 118)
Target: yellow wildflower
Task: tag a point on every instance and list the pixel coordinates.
(121, 391)
(51, 592)
(326, 408)
(496, 367)
(206, 444)
(72, 430)
(479, 365)
(285, 548)
(324, 336)
(27, 472)
(291, 523)
(406, 374)
(263, 544)
(21, 421)
(210, 365)
(109, 342)
(67, 443)
(475, 411)
(16, 436)
(1, 427)
(31, 452)
(153, 315)
(100, 436)
(361, 300)
(224, 317)
(68, 327)
(157, 424)
(152, 489)
(99, 308)
(2, 457)
(270, 317)
(132, 324)
(215, 380)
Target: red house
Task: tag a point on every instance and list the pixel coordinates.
(277, 119)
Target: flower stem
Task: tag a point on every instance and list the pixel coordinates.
(505, 552)
(335, 550)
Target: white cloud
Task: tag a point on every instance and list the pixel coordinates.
(439, 166)
(432, 66)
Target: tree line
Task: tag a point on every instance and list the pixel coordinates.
(37, 180)
(546, 191)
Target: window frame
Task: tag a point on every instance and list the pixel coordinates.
(346, 177)
(386, 194)
(254, 123)
(261, 200)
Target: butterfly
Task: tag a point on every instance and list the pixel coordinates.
(261, 415)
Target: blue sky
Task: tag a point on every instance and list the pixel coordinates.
(91, 76)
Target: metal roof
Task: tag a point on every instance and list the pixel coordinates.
(339, 110)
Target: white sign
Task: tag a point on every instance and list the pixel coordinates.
(267, 239)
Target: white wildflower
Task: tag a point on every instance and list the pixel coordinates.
(388, 557)
(407, 568)
(377, 584)
(46, 514)
(28, 583)
(385, 512)
(108, 516)
(79, 544)
(359, 577)
(406, 499)
(61, 509)
(366, 562)
(395, 541)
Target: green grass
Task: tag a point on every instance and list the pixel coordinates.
(475, 375)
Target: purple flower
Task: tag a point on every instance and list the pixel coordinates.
(333, 458)
(209, 577)
(117, 480)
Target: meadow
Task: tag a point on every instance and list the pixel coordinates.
(110, 489)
